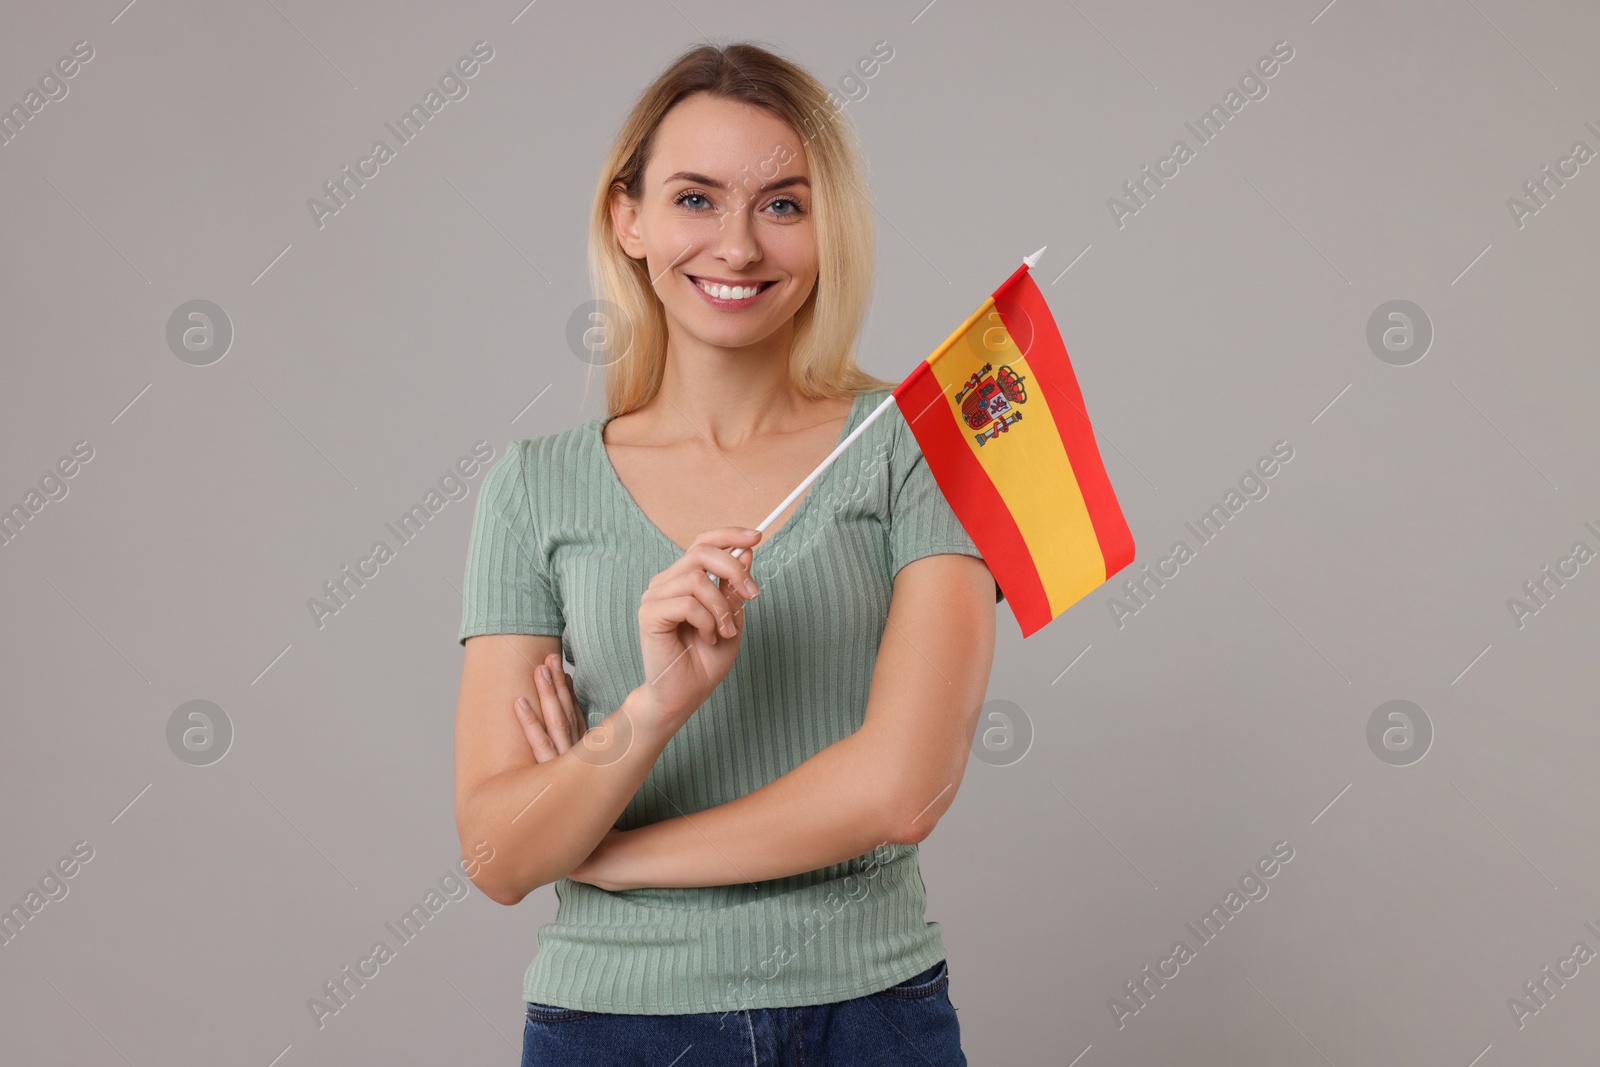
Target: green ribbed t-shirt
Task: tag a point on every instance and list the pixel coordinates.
(559, 547)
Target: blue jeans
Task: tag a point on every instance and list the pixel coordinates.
(910, 1023)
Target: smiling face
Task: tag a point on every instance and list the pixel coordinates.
(726, 204)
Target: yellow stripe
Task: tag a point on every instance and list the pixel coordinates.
(1027, 462)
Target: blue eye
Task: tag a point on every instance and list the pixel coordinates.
(683, 198)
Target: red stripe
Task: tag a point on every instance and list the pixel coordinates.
(1027, 318)
(972, 496)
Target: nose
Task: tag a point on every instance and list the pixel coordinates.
(736, 242)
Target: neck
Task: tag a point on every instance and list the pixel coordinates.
(726, 395)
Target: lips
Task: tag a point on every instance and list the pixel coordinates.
(732, 303)
(716, 281)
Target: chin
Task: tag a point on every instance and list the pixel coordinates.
(730, 331)
(735, 338)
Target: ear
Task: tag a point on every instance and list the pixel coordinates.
(625, 221)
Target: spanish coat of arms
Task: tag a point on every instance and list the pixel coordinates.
(990, 403)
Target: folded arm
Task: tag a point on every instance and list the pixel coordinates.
(890, 781)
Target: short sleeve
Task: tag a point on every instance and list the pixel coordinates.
(507, 588)
(921, 521)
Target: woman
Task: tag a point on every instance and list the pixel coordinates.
(729, 792)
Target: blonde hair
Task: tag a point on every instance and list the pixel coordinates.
(822, 360)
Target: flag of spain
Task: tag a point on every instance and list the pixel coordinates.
(1002, 425)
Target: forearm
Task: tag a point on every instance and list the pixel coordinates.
(831, 808)
(544, 819)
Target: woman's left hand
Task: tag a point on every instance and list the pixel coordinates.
(556, 724)
(551, 729)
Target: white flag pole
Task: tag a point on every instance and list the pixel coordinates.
(879, 410)
(814, 475)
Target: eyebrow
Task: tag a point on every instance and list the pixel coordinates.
(701, 179)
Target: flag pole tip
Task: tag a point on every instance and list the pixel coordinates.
(1033, 259)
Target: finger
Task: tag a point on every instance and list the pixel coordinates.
(728, 537)
(734, 572)
(711, 552)
(576, 724)
(698, 584)
(554, 715)
(713, 565)
(663, 614)
(532, 729)
(733, 605)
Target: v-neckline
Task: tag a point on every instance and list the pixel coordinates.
(771, 536)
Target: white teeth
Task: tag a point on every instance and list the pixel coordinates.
(724, 292)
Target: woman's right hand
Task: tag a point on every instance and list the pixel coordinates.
(690, 628)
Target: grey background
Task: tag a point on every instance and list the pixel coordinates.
(1230, 313)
